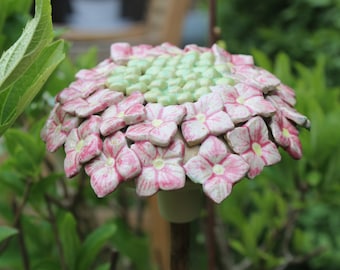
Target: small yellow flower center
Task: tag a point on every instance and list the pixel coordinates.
(158, 163)
(157, 122)
(285, 133)
(79, 145)
(240, 100)
(218, 169)
(257, 149)
(121, 115)
(200, 117)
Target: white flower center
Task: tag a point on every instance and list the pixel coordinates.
(157, 122)
(79, 145)
(257, 149)
(110, 162)
(200, 117)
(218, 169)
(158, 163)
(285, 133)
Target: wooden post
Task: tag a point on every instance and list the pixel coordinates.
(180, 246)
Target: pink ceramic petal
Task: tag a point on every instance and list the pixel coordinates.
(286, 94)
(147, 184)
(153, 111)
(173, 113)
(213, 150)
(209, 104)
(170, 177)
(258, 130)
(92, 148)
(127, 163)
(198, 169)
(141, 50)
(174, 151)
(222, 56)
(113, 144)
(111, 125)
(55, 139)
(238, 139)
(139, 132)
(71, 164)
(120, 51)
(235, 168)
(219, 123)
(242, 59)
(72, 140)
(194, 132)
(260, 106)
(133, 99)
(104, 181)
(145, 151)
(134, 114)
(256, 164)
(90, 126)
(217, 188)
(270, 153)
(238, 113)
(164, 134)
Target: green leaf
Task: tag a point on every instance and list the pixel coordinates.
(25, 67)
(93, 244)
(69, 239)
(6, 232)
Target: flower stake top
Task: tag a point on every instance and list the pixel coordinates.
(162, 116)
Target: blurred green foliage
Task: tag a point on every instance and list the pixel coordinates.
(303, 29)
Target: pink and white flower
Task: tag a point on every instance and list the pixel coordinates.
(95, 103)
(160, 125)
(80, 89)
(116, 163)
(205, 117)
(243, 101)
(121, 52)
(286, 135)
(127, 112)
(57, 127)
(216, 169)
(252, 143)
(161, 167)
(103, 69)
(82, 145)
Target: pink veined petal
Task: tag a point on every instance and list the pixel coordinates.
(248, 91)
(92, 148)
(198, 169)
(217, 188)
(227, 93)
(260, 106)
(190, 111)
(219, 123)
(209, 104)
(104, 181)
(270, 153)
(153, 111)
(141, 50)
(242, 59)
(221, 55)
(72, 140)
(128, 164)
(55, 139)
(111, 125)
(134, 114)
(171, 177)
(280, 125)
(69, 122)
(173, 113)
(139, 132)
(294, 148)
(194, 132)
(95, 164)
(286, 93)
(235, 168)
(238, 112)
(147, 184)
(90, 126)
(213, 150)
(258, 130)
(113, 144)
(121, 51)
(133, 99)
(71, 106)
(164, 134)
(255, 162)
(238, 139)
(174, 150)
(145, 151)
(71, 164)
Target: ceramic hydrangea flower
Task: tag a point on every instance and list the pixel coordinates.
(160, 125)
(162, 117)
(205, 117)
(116, 163)
(161, 167)
(216, 168)
(251, 142)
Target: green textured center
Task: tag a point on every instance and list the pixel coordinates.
(170, 80)
(120, 114)
(79, 145)
(110, 162)
(218, 169)
(158, 163)
(157, 122)
(257, 149)
(200, 117)
(285, 133)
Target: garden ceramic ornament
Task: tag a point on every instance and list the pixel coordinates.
(173, 120)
